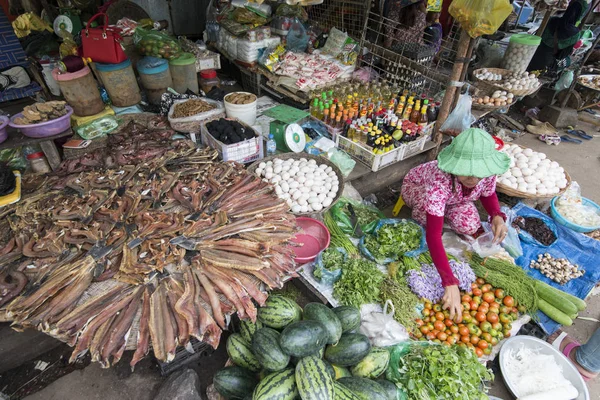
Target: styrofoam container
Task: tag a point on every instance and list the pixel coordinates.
(244, 112)
(569, 371)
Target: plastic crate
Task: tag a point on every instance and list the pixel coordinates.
(366, 156)
(416, 146)
(243, 152)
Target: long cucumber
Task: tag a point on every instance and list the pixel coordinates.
(554, 313)
(579, 303)
(555, 299)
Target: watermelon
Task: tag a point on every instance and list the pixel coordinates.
(351, 348)
(320, 354)
(320, 312)
(373, 365)
(265, 346)
(364, 388)
(234, 382)
(303, 338)
(278, 312)
(247, 329)
(330, 369)
(277, 386)
(341, 392)
(389, 387)
(340, 372)
(349, 317)
(240, 352)
(313, 380)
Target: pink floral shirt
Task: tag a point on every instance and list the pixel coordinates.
(428, 188)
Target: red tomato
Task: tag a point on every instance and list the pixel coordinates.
(499, 293)
(480, 281)
(463, 331)
(492, 317)
(477, 292)
(483, 344)
(442, 336)
(438, 325)
(488, 297)
(480, 316)
(486, 288)
(448, 322)
(508, 301)
(466, 298)
(439, 316)
(479, 352)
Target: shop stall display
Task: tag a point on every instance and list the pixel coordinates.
(120, 83)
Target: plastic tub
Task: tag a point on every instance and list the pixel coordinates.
(80, 90)
(155, 76)
(520, 51)
(565, 222)
(120, 83)
(244, 112)
(44, 129)
(314, 238)
(3, 131)
(183, 72)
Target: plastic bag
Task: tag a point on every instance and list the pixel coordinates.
(324, 275)
(335, 42)
(511, 243)
(297, 38)
(480, 17)
(484, 245)
(461, 118)
(571, 206)
(527, 238)
(382, 329)
(192, 124)
(342, 160)
(564, 82)
(156, 44)
(13, 158)
(349, 52)
(393, 221)
(341, 215)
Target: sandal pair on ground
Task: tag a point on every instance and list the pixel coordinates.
(549, 134)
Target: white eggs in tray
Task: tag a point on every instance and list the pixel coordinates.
(306, 185)
(532, 172)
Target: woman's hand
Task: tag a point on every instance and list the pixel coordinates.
(451, 302)
(499, 229)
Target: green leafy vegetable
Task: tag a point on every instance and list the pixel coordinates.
(332, 259)
(432, 372)
(359, 283)
(404, 301)
(393, 240)
(338, 237)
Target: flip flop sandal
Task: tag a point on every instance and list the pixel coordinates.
(568, 349)
(580, 133)
(570, 139)
(550, 139)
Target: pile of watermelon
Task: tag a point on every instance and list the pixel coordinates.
(311, 354)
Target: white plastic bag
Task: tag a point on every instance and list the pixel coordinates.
(461, 118)
(571, 207)
(381, 328)
(192, 124)
(564, 82)
(484, 245)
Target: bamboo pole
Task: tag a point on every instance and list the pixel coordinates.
(463, 74)
(577, 72)
(459, 64)
(545, 21)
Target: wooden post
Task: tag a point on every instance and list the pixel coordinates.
(545, 21)
(459, 64)
(577, 72)
(463, 74)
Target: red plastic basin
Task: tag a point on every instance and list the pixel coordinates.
(314, 238)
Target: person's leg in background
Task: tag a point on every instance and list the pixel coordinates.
(463, 218)
(588, 355)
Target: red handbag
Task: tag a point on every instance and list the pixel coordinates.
(102, 44)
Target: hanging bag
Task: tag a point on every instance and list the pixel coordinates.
(102, 44)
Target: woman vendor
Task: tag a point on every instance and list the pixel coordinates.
(445, 191)
(560, 37)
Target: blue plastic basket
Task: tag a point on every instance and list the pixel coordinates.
(577, 228)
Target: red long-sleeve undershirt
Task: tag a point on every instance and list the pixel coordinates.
(433, 235)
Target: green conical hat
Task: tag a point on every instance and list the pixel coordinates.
(473, 153)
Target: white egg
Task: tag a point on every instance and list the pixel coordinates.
(277, 169)
(312, 194)
(517, 149)
(290, 202)
(296, 208)
(528, 152)
(522, 187)
(312, 162)
(327, 202)
(323, 166)
(520, 180)
(317, 206)
(258, 171)
(303, 160)
(522, 165)
(269, 163)
(304, 209)
(542, 192)
(530, 179)
(304, 189)
(309, 182)
(516, 172)
(327, 186)
(262, 165)
(269, 175)
(562, 184)
(554, 190)
(285, 176)
(294, 171)
(296, 194)
(293, 184)
(276, 179)
(313, 199)
(285, 186)
(301, 180)
(332, 194)
(302, 201)
(278, 190)
(322, 197)
(554, 164)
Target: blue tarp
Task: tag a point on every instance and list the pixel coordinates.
(576, 247)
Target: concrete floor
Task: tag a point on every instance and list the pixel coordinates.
(581, 161)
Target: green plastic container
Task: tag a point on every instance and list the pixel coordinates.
(520, 51)
(183, 72)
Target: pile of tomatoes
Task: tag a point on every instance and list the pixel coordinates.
(486, 319)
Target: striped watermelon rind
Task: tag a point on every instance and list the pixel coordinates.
(373, 365)
(390, 388)
(323, 314)
(303, 338)
(265, 346)
(364, 388)
(277, 386)
(247, 328)
(351, 348)
(240, 352)
(278, 312)
(349, 317)
(341, 392)
(313, 379)
(234, 382)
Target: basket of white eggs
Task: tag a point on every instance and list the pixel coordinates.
(517, 83)
(309, 184)
(531, 175)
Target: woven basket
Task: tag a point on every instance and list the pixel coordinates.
(523, 195)
(486, 107)
(495, 85)
(319, 160)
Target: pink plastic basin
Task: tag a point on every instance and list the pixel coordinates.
(314, 238)
(44, 129)
(3, 129)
